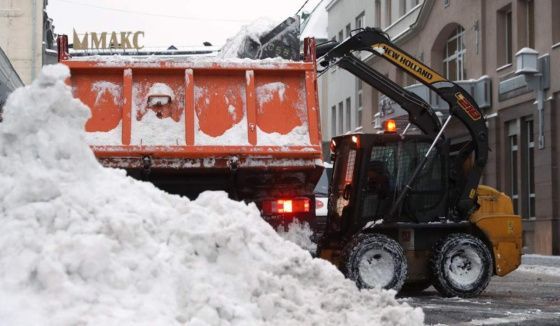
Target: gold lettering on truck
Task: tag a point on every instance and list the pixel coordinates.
(409, 64)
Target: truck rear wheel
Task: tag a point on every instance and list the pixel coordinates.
(375, 260)
(461, 265)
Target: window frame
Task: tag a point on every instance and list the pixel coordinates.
(348, 115)
(458, 57)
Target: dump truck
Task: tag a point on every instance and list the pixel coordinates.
(407, 209)
(247, 127)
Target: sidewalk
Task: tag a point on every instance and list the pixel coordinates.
(539, 264)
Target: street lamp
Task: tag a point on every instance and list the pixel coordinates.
(537, 76)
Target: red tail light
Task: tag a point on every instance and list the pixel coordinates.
(286, 206)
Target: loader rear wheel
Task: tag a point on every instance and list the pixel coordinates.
(375, 260)
(461, 265)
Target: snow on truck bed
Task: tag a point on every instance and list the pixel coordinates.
(82, 244)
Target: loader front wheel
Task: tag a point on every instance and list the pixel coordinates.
(375, 260)
(461, 266)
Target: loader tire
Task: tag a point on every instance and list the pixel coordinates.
(375, 260)
(461, 266)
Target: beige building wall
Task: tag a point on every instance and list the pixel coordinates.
(21, 35)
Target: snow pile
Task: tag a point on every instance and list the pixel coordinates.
(245, 37)
(300, 234)
(82, 244)
(316, 25)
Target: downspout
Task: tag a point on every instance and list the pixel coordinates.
(33, 39)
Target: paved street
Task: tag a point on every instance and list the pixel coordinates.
(524, 297)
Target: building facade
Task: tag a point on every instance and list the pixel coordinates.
(475, 42)
(27, 36)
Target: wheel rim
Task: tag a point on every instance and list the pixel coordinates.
(376, 268)
(463, 267)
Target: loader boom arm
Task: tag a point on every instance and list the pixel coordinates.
(420, 112)
(461, 104)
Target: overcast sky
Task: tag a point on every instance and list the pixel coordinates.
(166, 22)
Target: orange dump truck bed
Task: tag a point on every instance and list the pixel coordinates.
(247, 127)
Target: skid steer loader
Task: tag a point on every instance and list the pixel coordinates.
(408, 209)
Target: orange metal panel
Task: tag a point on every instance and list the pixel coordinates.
(219, 103)
(281, 101)
(215, 109)
(103, 94)
(312, 114)
(158, 124)
(251, 107)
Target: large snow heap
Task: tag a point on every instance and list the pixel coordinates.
(81, 244)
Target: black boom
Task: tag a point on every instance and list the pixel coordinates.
(461, 104)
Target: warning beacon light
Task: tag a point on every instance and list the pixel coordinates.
(390, 126)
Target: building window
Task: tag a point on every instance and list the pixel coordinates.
(340, 36)
(529, 164)
(513, 164)
(333, 121)
(340, 118)
(348, 30)
(360, 20)
(402, 7)
(388, 18)
(377, 22)
(555, 22)
(454, 56)
(348, 119)
(359, 101)
(521, 166)
(505, 36)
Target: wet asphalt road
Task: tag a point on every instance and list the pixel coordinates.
(520, 298)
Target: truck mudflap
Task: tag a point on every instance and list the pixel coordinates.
(502, 228)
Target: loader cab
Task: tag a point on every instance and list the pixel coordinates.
(369, 172)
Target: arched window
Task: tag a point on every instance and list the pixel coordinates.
(454, 56)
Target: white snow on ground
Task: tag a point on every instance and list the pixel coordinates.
(300, 234)
(251, 31)
(82, 244)
(542, 270)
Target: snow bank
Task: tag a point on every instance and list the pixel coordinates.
(542, 270)
(82, 244)
(300, 234)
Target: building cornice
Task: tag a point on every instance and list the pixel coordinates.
(331, 4)
(414, 28)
